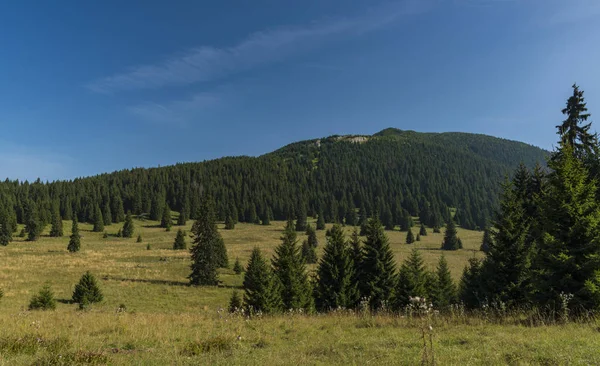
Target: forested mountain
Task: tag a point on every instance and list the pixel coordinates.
(395, 174)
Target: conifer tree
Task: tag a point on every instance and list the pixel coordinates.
(450, 239)
(128, 227)
(235, 302)
(471, 290)
(423, 230)
(289, 267)
(301, 220)
(356, 254)
(180, 243)
(486, 241)
(309, 255)
(87, 290)
(436, 229)
(378, 269)
(351, 217)
(43, 300)
(33, 225)
(418, 238)
(262, 292)
(117, 210)
(57, 224)
(320, 221)
(229, 223)
(182, 218)
(569, 261)
(335, 286)
(312, 236)
(5, 227)
(411, 280)
(267, 216)
(106, 214)
(98, 220)
(208, 250)
(139, 238)
(444, 290)
(237, 267)
(75, 239)
(166, 221)
(410, 238)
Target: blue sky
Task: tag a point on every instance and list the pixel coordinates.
(91, 87)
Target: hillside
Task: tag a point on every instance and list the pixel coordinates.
(393, 173)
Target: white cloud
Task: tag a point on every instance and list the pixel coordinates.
(208, 63)
(175, 112)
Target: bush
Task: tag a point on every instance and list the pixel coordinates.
(43, 300)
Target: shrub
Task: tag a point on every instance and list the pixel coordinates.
(43, 300)
(87, 290)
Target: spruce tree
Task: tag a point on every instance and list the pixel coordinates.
(418, 238)
(320, 221)
(289, 267)
(377, 269)
(262, 292)
(312, 236)
(410, 238)
(75, 239)
(33, 225)
(335, 285)
(117, 210)
(351, 217)
(444, 290)
(267, 217)
(98, 220)
(57, 224)
(450, 239)
(229, 223)
(568, 259)
(87, 290)
(301, 221)
(180, 243)
(139, 238)
(166, 221)
(128, 227)
(106, 214)
(182, 218)
(237, 267)
(5, 227)
(486, 242)
(423, 230)
(309, 255)
(43, 300)
(411, 280)
(235, 302)
(356, 254)
(207, 250)
(471, 289)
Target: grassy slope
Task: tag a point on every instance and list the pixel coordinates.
(164, 316)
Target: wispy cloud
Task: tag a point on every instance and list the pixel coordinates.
(207, 63)
(177, 112)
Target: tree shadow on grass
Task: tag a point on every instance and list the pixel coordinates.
(65, 301)
(153, 282)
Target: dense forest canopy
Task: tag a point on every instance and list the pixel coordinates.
(393, 174)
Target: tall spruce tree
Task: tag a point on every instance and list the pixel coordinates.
(128, 227)
(75, 238)
(335, 286)
(57, 224)
(568, 259)
(412, 280)
(486, 241)
(180, 243)
(309, 254)
(320, 221)
(33, 224)
(206, 251)
(117, 210)
(106, 214)
(356, 254)
(423, 230)
(444, 291)
(450, 238)
(262, 292)
(229, 223)
(312, 236)
(377, 269)
(166, 220)
(301, 222)
(87, 290)
(98, 220)
(410, 238)
(289, 267)
(471, 289)
(5, 226)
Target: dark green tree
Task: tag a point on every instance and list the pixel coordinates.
(206, 250)
(309, 254)
(106, 214)
(235, 302)
(128, 227)
(98, 220)
(166, 220)
(486, 242)
(450, 238)
(377, 269)
(180, 243)
(229, 223)
(412, 280)
(237, 267)
(57, 224)
(423, 230)
(335, 286)
(410, 238)
(33, 225)
(289, 267)
(356, 254)
(139, 238)
(444, 290)
(6, 230)
(262, 292)
(75, 238)
(320, 221)
(471, 289)
(87, 290)
(301, 222)
(43, 300)
(312, 236)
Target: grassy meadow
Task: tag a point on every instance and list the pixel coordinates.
(151, 316)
